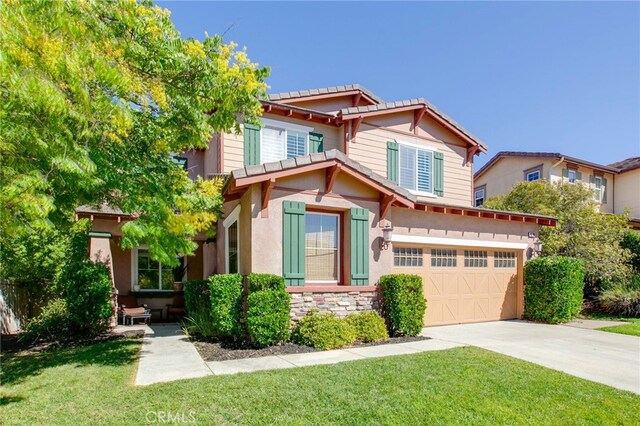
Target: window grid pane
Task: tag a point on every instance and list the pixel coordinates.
(407, 256)
(296, 144)
(475, 259)
(444, 258)
(424, 170)
(504, 259)
(407, 167)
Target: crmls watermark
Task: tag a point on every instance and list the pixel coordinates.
(179, 417)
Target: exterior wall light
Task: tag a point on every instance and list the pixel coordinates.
(537, 247)
(387, 234)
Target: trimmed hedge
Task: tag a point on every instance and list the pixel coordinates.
(197, 302)
(268, 309)
(324, 331)
(553, 289)
(369, 326)
(259, 282)
(226, 305)
(267, 317)
(403, 304)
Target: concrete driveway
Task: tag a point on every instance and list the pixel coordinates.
(608, 358)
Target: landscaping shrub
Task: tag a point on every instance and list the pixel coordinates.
(259, 282)
(403, 303)
(324, 331)
(226, 305)
(87, 292)
(369, 326)
(198, 306)
(52, 322)
(553, 289)
(267, 317)
(620, 301)
(631, 242)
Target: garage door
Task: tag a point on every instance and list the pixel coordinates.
(463, 285)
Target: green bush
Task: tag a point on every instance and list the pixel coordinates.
(259, 282)
(226, 305)
(369, 326)
(553, 289)
(87, 292)
(53, 322)
(631, 242)
(324, 331)
(267, 318)
(403, 304)
(197, 302)
(620, 301)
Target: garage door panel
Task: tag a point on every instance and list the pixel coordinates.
(466, 294)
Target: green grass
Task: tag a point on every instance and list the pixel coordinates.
(93, 385)
(632, 328)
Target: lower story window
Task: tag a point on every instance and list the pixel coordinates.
(232, 248)
(152, 275)
(322, 247)
(475, 259)
(405, 256)
(504, 259)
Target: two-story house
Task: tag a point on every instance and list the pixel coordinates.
(336, 188)
(616, 187)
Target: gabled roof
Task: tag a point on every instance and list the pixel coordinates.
(242, 178)
(557, 155)
(625, 165)
(325, 91)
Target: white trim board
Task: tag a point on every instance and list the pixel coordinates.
(412, 239)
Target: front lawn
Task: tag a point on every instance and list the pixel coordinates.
(632, 327)
(93, 384)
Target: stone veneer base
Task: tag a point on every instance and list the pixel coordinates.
(341, 303)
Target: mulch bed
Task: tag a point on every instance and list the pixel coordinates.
(224, 351)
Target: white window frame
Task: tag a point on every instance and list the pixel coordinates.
(232, 218)
(286, 127)
(134, 271)
(475, 197)
(575, 176)
(598, 190)
(422, 148)
(532, 173)
(337, 280)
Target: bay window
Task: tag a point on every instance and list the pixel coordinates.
(416, 169)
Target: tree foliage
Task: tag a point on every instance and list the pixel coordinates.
(582, 231)
(94, 97)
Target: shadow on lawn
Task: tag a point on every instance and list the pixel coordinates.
(18, 367)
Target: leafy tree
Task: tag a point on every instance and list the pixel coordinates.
(582, 231)
(94, 97)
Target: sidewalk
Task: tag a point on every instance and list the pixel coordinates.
(167, 355)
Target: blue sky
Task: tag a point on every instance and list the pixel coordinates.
(559, 77)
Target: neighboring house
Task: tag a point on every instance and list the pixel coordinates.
(627, 188)
(335, 189)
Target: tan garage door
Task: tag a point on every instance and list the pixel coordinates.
(463, 285)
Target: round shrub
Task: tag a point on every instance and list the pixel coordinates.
(324, 331)
(225, 292)
(553, 289)
(620, 301)
(259, 282)
(403, 304)
(268, 320)
(369, 326)
(53, 321)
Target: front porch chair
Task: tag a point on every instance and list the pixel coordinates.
(176, 309)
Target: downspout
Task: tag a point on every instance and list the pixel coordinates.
(553, 167)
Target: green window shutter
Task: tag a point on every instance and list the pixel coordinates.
(565, 173)
(316, 142)
(592, 179)
(251, 145)
(578, 175)
(293, 242)
(605, 189)
(359, 246)
(438, 174)
(392, 161)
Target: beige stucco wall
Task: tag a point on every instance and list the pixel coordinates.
(509, 171)
(627, 192)
(370, 149)
(234, 144)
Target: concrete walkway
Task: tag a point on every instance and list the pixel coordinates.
(593, 324)
(608, 358)
(168, 355)
(326, 357)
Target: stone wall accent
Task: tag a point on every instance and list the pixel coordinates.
(341, 304)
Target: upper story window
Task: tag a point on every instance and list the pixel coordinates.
(478, 197)
(597, 181)
(416, 169)
(572, 175)
(533, 176)
(281, 140)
